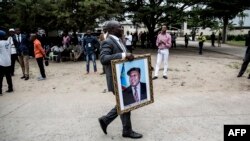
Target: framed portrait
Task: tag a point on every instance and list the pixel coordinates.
(132, 81)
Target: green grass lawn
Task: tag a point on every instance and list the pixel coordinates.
(236, 43)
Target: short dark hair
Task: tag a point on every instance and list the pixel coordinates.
(134, 69)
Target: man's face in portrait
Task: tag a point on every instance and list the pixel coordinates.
(134, 78)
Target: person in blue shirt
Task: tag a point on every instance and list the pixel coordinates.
(90, 44)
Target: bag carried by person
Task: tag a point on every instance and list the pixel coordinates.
(46, 61)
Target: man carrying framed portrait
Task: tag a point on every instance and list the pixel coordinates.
(113, 48)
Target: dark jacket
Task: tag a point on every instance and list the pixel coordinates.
(90, 44)
(22, 46)
(247, 43)
(128, 97)
(110, 50)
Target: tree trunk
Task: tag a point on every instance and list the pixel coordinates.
(224, 33)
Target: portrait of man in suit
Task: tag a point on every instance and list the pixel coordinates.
(137, 90)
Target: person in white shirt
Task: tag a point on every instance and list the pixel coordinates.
(14, 56)
(57, 50)
(128, 41)
(5, 62)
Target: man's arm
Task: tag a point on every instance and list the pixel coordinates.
(107, 55)
(157, 41)
(168, 41)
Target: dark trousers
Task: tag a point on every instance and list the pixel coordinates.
(186, 43)
(41, 66)
(125, 118)
(14, 58)
(129, 47)
(174, 44)
(93, 58)
(212, 42)
(200, 47)
(5, 71)
(245, 64)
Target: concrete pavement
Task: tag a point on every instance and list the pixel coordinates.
(225, 48)
(66, 106)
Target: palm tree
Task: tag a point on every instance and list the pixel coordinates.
(242, 17)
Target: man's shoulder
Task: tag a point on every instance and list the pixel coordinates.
(143, 84)
(127, 90)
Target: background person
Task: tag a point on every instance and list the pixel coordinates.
(212, 39)
(89, 43)
(21, 42)
(186, 39)
(5, 62)
(201, 40)
(14, 56)
(128, 42)
(163, 43)
(39, 53)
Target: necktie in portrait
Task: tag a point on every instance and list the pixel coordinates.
(136, 94)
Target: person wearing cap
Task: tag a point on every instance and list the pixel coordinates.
(5, 62)
(21, 43)
(137, 90)
(14, 56)
(39, 53)
(113, 48)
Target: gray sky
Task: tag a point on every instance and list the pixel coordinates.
(246, 21)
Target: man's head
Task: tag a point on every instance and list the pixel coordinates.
(201, 33)
(114, 28)
(163, 28)
(18, 31)
(88, 33)
(11, 31)
(33, 37)
(134, 76)
(2, 35)
(127, 32)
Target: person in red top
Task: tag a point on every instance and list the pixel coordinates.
(39, 53)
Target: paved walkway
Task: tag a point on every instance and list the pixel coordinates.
(225, 48)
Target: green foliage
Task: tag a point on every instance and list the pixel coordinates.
(58, 14)
(236, 37)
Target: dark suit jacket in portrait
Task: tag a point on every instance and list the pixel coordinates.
(110, 50)
(128, 97)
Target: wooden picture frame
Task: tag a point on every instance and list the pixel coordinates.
(132, 82)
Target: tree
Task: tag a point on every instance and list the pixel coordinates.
(153, 13)
(242, 17)
(58, 14)
(225, 10)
